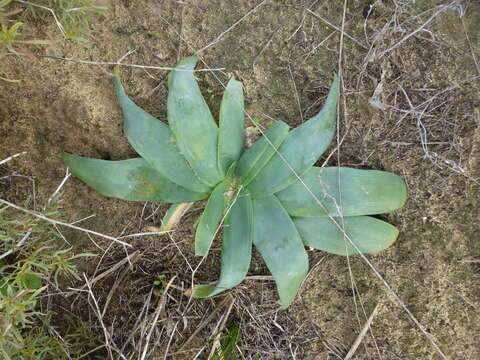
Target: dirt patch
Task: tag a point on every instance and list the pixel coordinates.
(424, 124)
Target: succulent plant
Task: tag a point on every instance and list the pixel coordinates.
(270, 195)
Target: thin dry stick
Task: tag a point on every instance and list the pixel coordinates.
(62, 183)
(218, 330)
(90, 352)
(219, 37)
(267, 44)
(146, 234)
(204, 323)
(59, 24)
(470, 44)
(17, 246)
(114, 287)
(53, 221)
(116, 63)
(420, 28)
(12, 157)
(99, 315)
(345, 115)
(362, 334)
(336, 28)
(170, 341)
(160, 306)
(133, 257)
(297, 98)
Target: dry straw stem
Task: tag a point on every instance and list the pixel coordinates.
(204, 323)
(57, 222)
(217, 331)
(219, 37)
(340, 205)
(441, 9)
(362, 334)
(161, 305)
(18, 245)
(4, 161)
(132, 258)
(109, 344)
(342, 32)
(118, 63)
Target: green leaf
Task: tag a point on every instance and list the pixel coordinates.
(364, 192)
(154, 141)
(192, 123)
(369, 234)
(280, 245)
(31, 281)
(259, 154)
(231, 138)
(300, 150)
(210, 219)
(132, 179)
(236, 248)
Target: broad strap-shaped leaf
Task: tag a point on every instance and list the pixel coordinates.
(369, 234)
(192, 123)
(259, 154)
(236, 248)
(300, 150)
(213, 214)
(231, 138)
(154, 141)
(132, 179)
(280, 245)
(363, 192)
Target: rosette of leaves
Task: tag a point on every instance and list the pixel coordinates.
(270, 195)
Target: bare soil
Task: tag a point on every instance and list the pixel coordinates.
(411, 80)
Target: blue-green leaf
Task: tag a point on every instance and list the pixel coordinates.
(369, 234)
(300, 150)
(154, 141)
(132, 179)
(259, 154)
(231, 138)
(192, 123)
(213, 214)
(280, 245)
(236, 248)
(210, 219)
(363, 192)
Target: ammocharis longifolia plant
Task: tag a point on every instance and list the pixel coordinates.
(255, 192)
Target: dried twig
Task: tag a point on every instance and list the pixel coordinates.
(314, 14)
(160, 306)
(57, 222)
(219, 37)
(116, 63)
(362, 334)
(12, 157)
